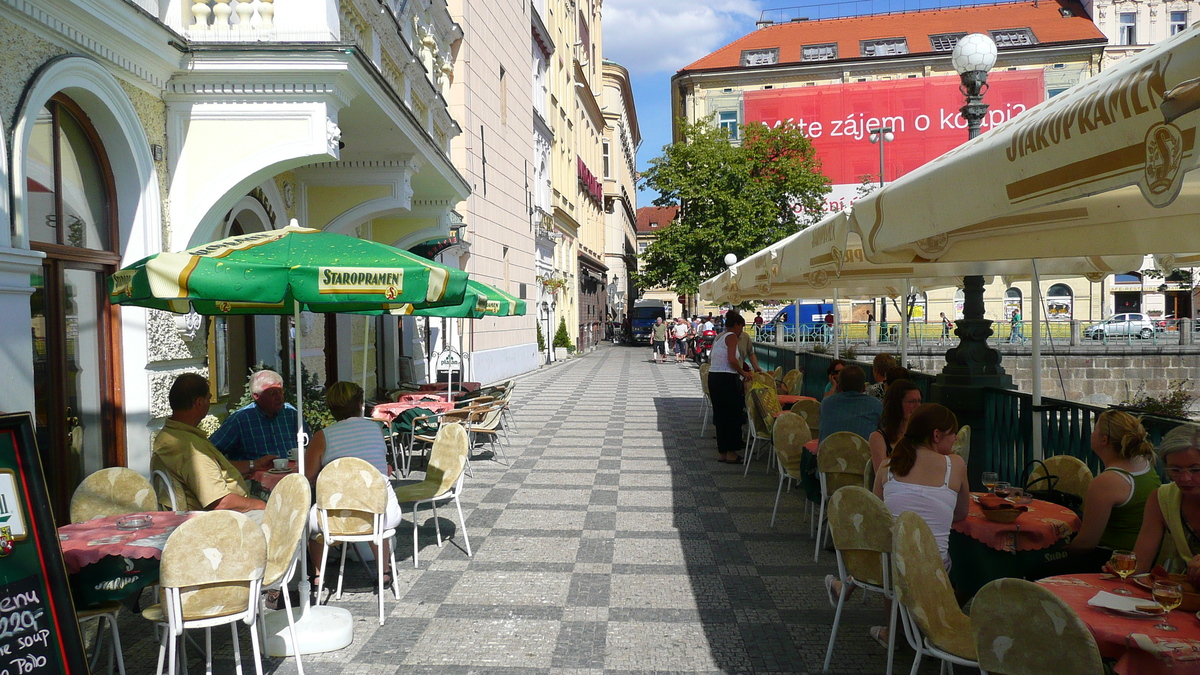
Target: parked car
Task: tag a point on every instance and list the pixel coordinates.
(1121, 325)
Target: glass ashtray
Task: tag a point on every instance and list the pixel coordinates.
(137, 522)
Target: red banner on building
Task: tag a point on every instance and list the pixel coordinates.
(923, 113)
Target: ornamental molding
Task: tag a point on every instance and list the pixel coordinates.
(86, 40)
(260, 91)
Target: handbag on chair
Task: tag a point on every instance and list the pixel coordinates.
(1049, 492)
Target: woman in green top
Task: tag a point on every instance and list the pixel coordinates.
(1172, 519)
(1115, 500)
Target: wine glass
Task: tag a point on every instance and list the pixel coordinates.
(1123, 563)
(990, 478)
(1001, 489)
(1168, 595)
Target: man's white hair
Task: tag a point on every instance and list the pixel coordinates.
(263, 379)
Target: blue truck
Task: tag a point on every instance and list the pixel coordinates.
(644, 313)
(810, 326)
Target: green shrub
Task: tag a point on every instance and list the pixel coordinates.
(1175, 403)
(541, 338)
(561, 337)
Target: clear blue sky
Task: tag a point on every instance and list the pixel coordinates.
(655, 38)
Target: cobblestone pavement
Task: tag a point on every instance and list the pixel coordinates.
(614, 543)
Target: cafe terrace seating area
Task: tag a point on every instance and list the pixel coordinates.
(607, 538)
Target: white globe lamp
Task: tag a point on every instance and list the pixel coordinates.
(973, 53)
(730, 259)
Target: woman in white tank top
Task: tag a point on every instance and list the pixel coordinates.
(923, 475)
(725, 376)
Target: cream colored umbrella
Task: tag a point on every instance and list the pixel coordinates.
(1104, 168)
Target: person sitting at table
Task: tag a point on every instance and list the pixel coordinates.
(850, 409)
(1116, 499)
(896, 373)
(210, 481)
(831, 387)
(1172, 517)
(901, 400)
(262, 430)
(880, 365)
(923, 475)
(351, 435)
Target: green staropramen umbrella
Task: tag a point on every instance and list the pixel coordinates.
(479, 301)
(283, 272)
(272, 272)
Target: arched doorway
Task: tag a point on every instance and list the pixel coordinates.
(1060, 303)
(72, 219)
(1012, 302)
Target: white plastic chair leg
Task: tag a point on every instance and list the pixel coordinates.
(414, 535)
(208, 652)
(837, 618)
(463, 522)
(437, 525)
(778, 493)
(324, 563)
(820, 526)
(237, 651)
(379, 575)
(116, 647)
(395, 573)
(892, 634)
(341, 572)
(287, 607)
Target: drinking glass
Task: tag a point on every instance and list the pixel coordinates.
(1001, 489)
(990, 478)
(1168, 595)
(1015, 495)
(1123, 563)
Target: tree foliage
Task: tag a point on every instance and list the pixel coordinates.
(733, 198)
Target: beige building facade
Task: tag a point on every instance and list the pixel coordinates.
(622, 137)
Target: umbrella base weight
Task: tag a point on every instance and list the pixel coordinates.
(321, 629)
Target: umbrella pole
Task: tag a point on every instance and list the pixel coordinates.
(1036, 296)
(904, 327)
(836, 325)
(366, 338)
(319, 628)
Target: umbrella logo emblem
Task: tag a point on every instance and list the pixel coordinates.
(391, 293)
(224, 307)
(1164, 158)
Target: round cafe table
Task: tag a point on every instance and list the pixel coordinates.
(1137, 646)
(106, 563)
(386, 412)
(982, 550)
(269, 478)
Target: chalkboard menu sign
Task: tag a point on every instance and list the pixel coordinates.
(38, 629)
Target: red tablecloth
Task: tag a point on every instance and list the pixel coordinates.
(86, 543)
(1137, 646)
(812, 446)
(790, 400)
(389, 411)
(269, 478)
(1040, 527)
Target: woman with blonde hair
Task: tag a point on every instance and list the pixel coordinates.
(1115, 500)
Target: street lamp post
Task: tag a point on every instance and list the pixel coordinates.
(972, 365)
(547, 310)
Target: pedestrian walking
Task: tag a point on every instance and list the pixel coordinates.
(1016, 329)
(680, 332)
(658, 338)
(946, 326)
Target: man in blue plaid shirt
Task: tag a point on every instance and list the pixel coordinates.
(257, 433)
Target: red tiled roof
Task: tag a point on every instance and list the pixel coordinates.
(655, 218)
(1046, 21)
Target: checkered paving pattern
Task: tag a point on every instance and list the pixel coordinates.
(614, 543)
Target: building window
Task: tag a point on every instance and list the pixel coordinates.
(641, 247)
(728, 120)
(760, 57)
(1178, 22)
(1060, 302)
(1013, 37)
(607, 171)
(1128, 34)
(884, 47)
(823, 52)
(945, 42)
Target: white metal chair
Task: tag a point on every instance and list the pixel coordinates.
(111, 492)
(843, 459)
(1021, 628)
(790, 433)
(283, 528)
(211, 575)
(933, 623)
(351, 505)
(105, 613)
(443, 481)
(862, 539)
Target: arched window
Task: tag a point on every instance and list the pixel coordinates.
(1012, 302)
(1060, 303)
(960, 299)
(72, 219)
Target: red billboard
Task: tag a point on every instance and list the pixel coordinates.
(923, 113)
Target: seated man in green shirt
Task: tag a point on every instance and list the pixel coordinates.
(208, 479)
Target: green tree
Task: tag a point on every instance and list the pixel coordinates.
(732, 198)
(561, 337)
(541, 338)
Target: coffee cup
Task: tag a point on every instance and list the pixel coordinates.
(281, 463)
